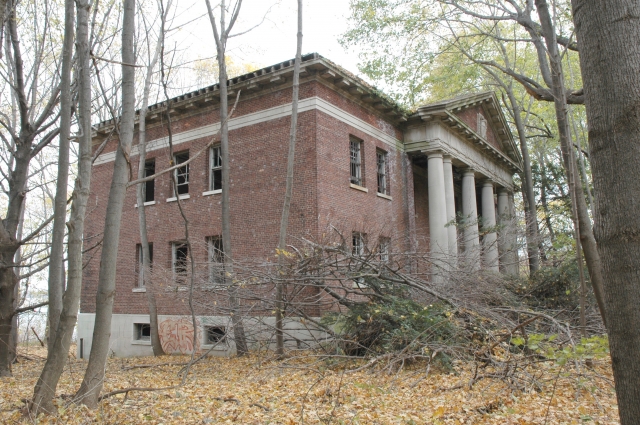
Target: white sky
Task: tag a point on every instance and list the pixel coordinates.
(275, 40)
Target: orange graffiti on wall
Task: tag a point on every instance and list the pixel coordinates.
(177, 335)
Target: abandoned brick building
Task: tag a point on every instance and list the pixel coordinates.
(362, 164)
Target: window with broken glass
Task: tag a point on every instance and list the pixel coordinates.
(181, 174)
(215, 168)
(383, 186)
(356, 161)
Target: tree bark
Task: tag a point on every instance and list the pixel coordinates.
(284, 221)
(221, 42)
(581, 213)
(56, 258)
(45, 388)
(609, 37)
(156, 345)
(94, 376)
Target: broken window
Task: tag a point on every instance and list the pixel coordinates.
(181, 174)
(383, 186)
(356, 161)
(214, 334)
(141, 332)
(358, 243)
(215, 168)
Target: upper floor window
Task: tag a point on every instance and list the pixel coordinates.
(181, 174)
(215, 168)
(383, 184)
(355, 146)
(149, 186)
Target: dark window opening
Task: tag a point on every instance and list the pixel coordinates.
(180, 261)
(181, 174)
(149, 186)
(214, 334)
(142, 331)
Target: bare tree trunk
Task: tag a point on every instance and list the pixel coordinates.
(56, 258)
(583, 221)
(221, 43)
(282, 243)
(142, 217)
(530, 204)
(59, 349)
(609, 38)
(543, 196)
(94, 375)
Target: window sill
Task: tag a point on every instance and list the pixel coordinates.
(357, 187)
(139, 290)
(185, 196)
(146, 204)
(211, 192)
(219, 347)
(140, 342)
(382, 195)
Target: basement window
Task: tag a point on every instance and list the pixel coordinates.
(141, 332)
(214, 334)
(181, 174)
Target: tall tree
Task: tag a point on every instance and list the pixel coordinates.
(609, 37)
(145, 266)
(93, 380)
(284, 221)
(59, 347)
(36, 96)
(221, 37)
(56, 259)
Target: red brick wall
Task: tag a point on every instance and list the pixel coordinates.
(258, 156)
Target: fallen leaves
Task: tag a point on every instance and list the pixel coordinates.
(255, 390)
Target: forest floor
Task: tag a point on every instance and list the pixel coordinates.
(260, 390)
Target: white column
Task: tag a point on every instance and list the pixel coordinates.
(470, 213)
(438, 235)
(506, 239)
(490, 239)
(449, 195)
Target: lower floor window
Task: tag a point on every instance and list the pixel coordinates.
(214, 334)
(141, 332)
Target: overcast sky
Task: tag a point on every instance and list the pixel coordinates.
(275, 40)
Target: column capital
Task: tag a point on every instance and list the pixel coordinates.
(446, 158)
(468, 171)
(487, 182)
(435, 154)
(503, 191)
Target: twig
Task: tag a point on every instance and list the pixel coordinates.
(36, 334)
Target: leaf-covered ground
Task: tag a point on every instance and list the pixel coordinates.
(256, 390)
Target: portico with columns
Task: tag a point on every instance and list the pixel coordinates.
(466, 152)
